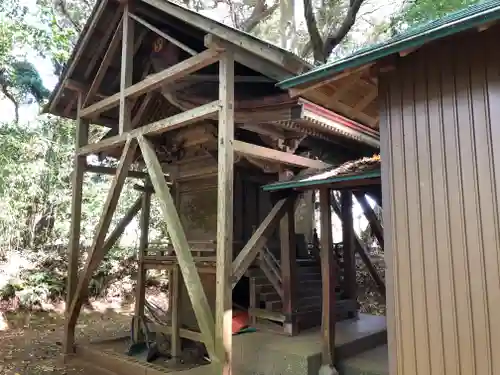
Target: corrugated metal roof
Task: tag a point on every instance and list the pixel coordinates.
(470, 17)
(363, 168)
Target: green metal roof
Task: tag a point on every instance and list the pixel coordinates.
(361, 169)
(467, 18)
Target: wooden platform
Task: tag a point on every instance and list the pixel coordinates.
(270, 354)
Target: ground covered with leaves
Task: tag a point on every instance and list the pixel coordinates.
(30, 342)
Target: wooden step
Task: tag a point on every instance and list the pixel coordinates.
(274, 305)
(269, 296)
(308, 271)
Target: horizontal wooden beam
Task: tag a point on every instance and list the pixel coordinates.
(157, 127)
(156, 80)
(112, 171)
(276, 156)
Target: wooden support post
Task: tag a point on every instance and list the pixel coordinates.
(289, 270)
(223, 299)
(183, 253)
(348, 237)
(175, 290)
(127, 66)
(375, 225)
(329, 280)
(140, 299)
(96, 252)
(82, 133)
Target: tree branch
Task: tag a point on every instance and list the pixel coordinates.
(312, 27)
(9, 96)
(260, 12)
(61, 4)
(336, 37)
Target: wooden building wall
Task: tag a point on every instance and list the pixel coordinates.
(440, 129)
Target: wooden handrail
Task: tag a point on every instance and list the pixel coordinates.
(271, 268)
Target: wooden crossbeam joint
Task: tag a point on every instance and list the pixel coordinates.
(155, 81)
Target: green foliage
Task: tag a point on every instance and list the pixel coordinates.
(422, 11)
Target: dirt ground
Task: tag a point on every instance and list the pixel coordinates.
(30, 342)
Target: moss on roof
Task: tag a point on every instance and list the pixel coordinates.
(367, 167)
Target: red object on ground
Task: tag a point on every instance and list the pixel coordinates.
(240, 321)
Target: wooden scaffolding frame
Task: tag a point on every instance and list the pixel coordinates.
(215, 331)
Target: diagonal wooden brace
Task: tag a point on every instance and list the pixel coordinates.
(97, 250)
(360, 249)
(255, 244)
(179, 241)
(370, 215)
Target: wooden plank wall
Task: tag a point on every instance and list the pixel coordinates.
(440, 127)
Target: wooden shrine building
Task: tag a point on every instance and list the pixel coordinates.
(192, 109)
(437, 92)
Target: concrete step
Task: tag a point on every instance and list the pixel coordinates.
(371, 362)
(266, 353)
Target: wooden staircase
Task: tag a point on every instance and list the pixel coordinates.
(266, 294)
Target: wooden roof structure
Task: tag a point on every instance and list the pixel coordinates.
(94, 69)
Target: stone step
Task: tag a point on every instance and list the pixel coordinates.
(371, 362)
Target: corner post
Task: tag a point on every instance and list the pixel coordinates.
(223, 304)
(79, 164)
(143, 244)
(348, 238)
(127, 60)
(175, 291)
(289, 268)
(329, 281)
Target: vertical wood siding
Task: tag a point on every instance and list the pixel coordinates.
(440, 128)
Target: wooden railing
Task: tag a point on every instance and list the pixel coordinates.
(271, 268)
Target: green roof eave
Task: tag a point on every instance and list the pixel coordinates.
(456, 22)
(310, 183)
